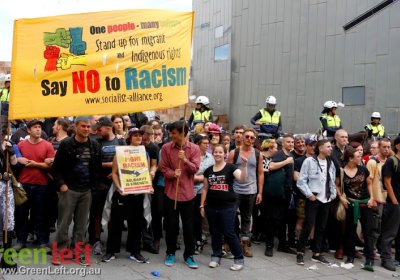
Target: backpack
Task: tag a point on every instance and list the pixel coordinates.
(395, 163)
(236, 156)
(274, 183)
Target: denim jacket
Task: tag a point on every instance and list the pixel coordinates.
(309, 181)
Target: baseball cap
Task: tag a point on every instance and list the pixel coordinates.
(134, 130)
(33, 122)
(131, 132)
(310, 141)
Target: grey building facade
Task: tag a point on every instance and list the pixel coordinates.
(298, 51)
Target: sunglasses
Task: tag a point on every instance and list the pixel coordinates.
(249, 137)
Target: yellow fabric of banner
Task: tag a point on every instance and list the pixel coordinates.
(100, 63)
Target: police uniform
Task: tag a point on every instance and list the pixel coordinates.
(330, 124)
(377, 130)
(269, 123)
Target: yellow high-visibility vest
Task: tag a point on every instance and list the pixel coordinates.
(201, 116)
(377, 130)
(5, 94)
(268, 119)
(332, 121)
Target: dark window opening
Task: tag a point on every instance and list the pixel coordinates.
(353, 96)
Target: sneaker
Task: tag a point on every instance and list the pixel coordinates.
(227, 255)
(369, 265)
(300, 259)
(388, 265)
(150, 248)
(319, 259)
(30, 238)
(56, 261)
(215, 261)
(269, 251)
(108, 257)
(237, 265)
(198, 247)
(83, 261)
(46, 247)
(255, 239)
(97, 248)
(191, 262)
(169, 260)
(52, 228)
(138, 258)
(17, 247)
(287, 250)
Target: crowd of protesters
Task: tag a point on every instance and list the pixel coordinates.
(233, 188)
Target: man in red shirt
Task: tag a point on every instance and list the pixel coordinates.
(34, 180)
(180, 160)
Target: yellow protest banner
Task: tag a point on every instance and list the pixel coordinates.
(133, 169)
(100, 63)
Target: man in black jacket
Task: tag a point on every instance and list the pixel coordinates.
(75, 170)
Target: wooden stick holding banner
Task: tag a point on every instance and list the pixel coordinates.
(179, 163)
(6, 189)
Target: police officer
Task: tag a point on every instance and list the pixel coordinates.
(330, 122)
(375, 128)
(268, 118)
(201, 113)
(4, 98)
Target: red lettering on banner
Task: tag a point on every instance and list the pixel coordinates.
(92, 78)
(78, 82)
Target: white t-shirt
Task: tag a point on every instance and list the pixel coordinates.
(322, 195)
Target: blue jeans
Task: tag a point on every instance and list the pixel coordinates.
(37, 205)
(222, 226)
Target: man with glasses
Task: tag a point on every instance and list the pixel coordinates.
(249, 192)
(373, 151)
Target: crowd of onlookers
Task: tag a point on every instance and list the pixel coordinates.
(234, 187)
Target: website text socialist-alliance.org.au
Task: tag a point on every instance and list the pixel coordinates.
(125, 98)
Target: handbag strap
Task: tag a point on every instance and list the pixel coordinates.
(341, 180)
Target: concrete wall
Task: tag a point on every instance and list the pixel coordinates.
(211, 78)
(298, 51)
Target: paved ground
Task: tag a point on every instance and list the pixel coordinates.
(281, 266)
